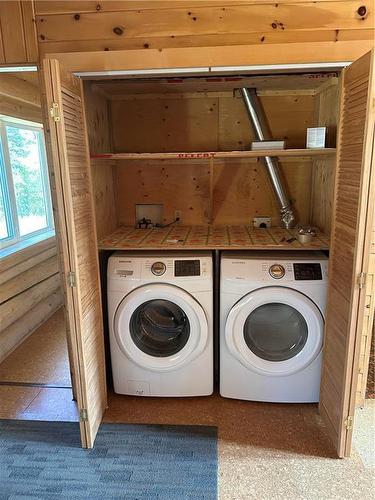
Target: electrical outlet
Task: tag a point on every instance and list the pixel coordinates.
(178, 215)
(262, 222)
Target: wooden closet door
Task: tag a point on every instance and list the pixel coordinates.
(71, 167)
(349, 254)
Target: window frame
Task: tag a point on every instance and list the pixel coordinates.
(7, 186)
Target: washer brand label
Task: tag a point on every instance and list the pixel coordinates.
(124, 272)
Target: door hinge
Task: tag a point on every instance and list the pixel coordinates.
(54, 111)
(362, 277)
(83, 415)
(349, 423)
(71, 278)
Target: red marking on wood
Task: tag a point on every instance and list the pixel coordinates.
(196, 155)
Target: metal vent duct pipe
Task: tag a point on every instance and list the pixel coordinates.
(262, 133)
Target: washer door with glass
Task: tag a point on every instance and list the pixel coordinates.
(160, 327)
(275, 331)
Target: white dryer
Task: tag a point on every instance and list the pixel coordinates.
(160, 309)
(272, 325)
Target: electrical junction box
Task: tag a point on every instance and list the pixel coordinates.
(262, 222)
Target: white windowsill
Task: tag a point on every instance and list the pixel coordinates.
(21, 245)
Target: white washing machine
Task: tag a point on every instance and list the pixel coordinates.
(272, 325)
(160, 309)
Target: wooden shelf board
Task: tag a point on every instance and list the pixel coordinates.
(206, 155)
(208, 238)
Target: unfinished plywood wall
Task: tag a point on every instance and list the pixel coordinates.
(98, 130)
(323, 172)
(341, 27)
(205, 122)
(230, 191)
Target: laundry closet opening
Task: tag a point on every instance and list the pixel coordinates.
(173, 169)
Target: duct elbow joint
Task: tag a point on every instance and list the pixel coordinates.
(287, 217)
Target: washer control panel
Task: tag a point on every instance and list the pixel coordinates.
(160, 267)
(307, 271)
(187, 267)
(277, 271)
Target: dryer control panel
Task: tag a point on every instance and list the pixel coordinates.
(276, 268)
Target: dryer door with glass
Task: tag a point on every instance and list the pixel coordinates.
(275, 331)
(160, 327)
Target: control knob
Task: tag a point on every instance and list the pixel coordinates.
(277, 271)
(158, 268)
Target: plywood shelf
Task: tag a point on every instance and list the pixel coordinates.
(208, 238)
(310, 153)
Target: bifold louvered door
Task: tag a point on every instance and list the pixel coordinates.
(71, 167)
(349, 254)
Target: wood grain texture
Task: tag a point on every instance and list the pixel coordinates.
(208, 237)
(325, 26)
(234, 39)
(18, 32)
(198, 87)
(20, 97)
(367, 333)
(28, 279)
(349, 240)
(46, 7)
(29, 292)
(236, 188)
(323, 171)
(99, 134)
(79, 246)
(12, 336)
(302, 154)
(16, 307)
(203, 20)
(104, 196)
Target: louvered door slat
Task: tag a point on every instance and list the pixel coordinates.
(348, 240)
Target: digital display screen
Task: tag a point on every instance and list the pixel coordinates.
(187, 268)
(306, 271)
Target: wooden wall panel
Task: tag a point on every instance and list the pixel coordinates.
(234, 193)
(104, 198)
(242, 191)
(18, 32)
(98, 26)
(99, 134)
(224, 191)
(20, 98)
(183, 185)
(30, 281)
(206, 123)
(323, 172)
(30, 292)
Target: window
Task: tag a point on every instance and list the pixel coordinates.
(25, 199)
